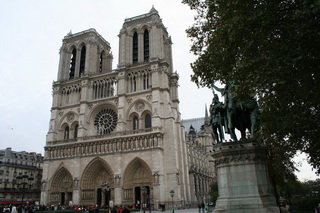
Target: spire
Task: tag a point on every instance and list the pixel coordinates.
(70, 33)
(153, 10)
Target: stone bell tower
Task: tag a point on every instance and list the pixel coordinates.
(116, 135)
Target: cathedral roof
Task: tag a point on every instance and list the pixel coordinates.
(196, 123)
(151, 12)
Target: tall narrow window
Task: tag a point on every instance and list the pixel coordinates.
(146, 45)
(73, 63)
(75, 134)
(101, 61)
(147, 120)
(134, 84)
(135, 48)
(82, 60)
(135, 123)
(66, 133)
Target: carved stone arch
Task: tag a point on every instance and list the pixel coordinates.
(138, 106)
(70, 47)
(61, 187)
(68, 118)
(96, 109)
(144, 27)
(132, 31)
(81, 44)
(137, 173)
(97, 172)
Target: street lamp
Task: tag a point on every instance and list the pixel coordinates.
(172, 194)
(105, 188)
(23, 181)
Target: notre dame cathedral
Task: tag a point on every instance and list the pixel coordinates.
(116, 135)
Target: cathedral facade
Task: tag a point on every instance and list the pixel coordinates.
(116, 136)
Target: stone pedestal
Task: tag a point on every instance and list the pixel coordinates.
(242, 178)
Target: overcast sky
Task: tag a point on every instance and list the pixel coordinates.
(30, 38)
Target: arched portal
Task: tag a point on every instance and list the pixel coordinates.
(137, 183)
(97, 183)
(61, 187)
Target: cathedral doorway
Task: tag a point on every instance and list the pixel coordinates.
(62, 199)
(137, 194)
(137, 179)
(99, 197)
(96, 175)
(61, 187)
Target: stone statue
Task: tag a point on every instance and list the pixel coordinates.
(237, 114)
(217, 112)
(230, 108)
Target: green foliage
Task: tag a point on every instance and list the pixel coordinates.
(272, 49)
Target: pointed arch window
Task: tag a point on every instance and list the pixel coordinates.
(134, 84)
(66, 133)
(147, 120)
(135, 123)
(82, 60)
(146, 45)
(101, 61)
(73, 63)
(75, 133)
(135, 48)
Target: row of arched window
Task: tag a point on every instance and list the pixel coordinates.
(73, 62)
(147, 122)
(106, 121)
(135, 47)
(81, 71)
(68, 133)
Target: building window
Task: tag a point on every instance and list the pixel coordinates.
(66, 133)
(73, 63)
(146, 81)
(101, 61)
(135, 48)
(105, 121)
(75, 134)
(146, 45)
(82, 60)
(147, 120)
(135, 123)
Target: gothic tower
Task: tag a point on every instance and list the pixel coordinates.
(115, 136)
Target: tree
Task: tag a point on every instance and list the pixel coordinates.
(272, 49)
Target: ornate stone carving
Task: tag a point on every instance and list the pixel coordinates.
(156, 178)
(70, 117)
(149, 97)
(139, 106)
(117, 179)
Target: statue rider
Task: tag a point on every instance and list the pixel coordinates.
(230, 105)
(217, 113)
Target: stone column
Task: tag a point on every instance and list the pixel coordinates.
(242, 177)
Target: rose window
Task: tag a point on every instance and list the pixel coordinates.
(105, 121)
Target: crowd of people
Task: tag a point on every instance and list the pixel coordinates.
(84, 209)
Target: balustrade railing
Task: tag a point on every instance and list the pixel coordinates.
(126, 141)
